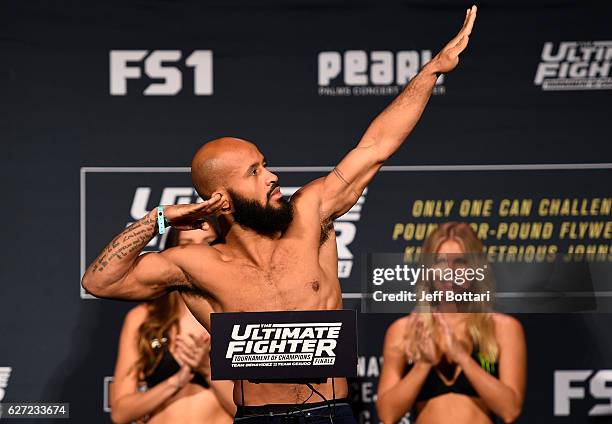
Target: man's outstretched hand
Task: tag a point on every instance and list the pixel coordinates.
(448, 58)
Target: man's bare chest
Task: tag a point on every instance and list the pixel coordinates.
(284, 284)
(288, 280)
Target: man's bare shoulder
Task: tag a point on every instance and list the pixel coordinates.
(201, 265)
(309, 195)
(307, 214)
(187, 254)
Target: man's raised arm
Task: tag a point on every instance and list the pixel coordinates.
(343, 186)
(120, 271)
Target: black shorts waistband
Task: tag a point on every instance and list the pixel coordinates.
(287, 408)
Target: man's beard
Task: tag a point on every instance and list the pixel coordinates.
(265, 220)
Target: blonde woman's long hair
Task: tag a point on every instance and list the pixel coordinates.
(479, 325)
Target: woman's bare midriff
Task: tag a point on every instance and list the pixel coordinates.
(452, 407)
(192, 404)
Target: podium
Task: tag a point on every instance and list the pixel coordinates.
(284, 347)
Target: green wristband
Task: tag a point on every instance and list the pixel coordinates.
(162, 222)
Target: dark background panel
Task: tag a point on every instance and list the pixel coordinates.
(57, 117)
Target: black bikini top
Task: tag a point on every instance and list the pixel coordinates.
(435, 386)
(168, 367)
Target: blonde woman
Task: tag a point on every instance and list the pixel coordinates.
(163, 348)
(446, 364)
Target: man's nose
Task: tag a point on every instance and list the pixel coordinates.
(272, 178)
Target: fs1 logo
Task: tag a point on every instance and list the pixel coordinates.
(5, 373)
(377, 73)
(158, 65)
(344, 226)
(565, 391)
(575, 65)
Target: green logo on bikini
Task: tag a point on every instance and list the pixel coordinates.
(485, 364)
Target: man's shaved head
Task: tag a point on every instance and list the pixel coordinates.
(236, 169)
(214, 161)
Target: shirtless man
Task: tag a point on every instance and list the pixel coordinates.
(277, 255)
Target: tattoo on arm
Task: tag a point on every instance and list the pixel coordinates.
(133, 239)
(339, 175)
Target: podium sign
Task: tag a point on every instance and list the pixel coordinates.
(279, 346)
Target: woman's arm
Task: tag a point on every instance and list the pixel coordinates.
(224, 391)
(127, 403)
(397, 393)
(195, 352)
(503, 396)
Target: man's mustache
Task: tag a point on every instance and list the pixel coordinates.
(274, 185)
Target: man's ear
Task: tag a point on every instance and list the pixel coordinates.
(226, 205)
